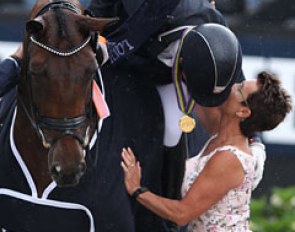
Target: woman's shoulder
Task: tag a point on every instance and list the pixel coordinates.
(235, 150)
(245, 158)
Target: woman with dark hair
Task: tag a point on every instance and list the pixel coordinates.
(217, 184)
(268, 106)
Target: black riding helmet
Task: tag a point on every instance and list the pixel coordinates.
(211, 59)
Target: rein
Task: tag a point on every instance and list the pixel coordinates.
(66, 126)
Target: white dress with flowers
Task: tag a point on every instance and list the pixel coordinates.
(231, 213)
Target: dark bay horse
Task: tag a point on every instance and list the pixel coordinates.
(52, 122)
(54, 94)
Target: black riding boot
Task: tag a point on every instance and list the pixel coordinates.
(172, 174)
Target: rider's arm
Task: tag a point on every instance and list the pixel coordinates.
(9, 75)
(9, 71)
(106, 8)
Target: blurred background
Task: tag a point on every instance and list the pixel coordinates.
(266, 30)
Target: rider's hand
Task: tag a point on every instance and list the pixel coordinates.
(18, 54)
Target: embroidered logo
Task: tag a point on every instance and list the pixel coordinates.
(117, 50)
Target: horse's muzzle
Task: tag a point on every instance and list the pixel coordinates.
(64, 179)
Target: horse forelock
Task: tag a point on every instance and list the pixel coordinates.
(62, 16)
(62, 26)
(60, 31)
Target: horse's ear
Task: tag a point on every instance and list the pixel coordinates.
(35, 26)
(95, 24)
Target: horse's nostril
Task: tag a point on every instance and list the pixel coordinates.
(55, 170)
(68, 177)
(82, 168)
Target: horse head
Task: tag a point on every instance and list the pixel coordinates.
(55, 90)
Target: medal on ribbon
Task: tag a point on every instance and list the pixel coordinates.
(186, 123)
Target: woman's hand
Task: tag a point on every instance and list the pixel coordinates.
(132, 170)
(19, 53)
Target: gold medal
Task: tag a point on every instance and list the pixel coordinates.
(187, 123)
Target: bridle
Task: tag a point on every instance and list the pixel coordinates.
(67, 126)
(64, 126)
(60, 5)
(60, 53)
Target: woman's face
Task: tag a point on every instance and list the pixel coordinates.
(244, 89)
(209, 117)
(239, 94)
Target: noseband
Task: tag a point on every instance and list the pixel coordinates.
(65, 126)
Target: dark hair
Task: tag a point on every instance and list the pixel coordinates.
(269, 105)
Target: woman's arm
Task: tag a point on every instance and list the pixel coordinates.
(222, 173)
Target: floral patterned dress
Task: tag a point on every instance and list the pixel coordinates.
(231, 213)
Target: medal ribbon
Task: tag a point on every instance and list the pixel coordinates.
(185, 106)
